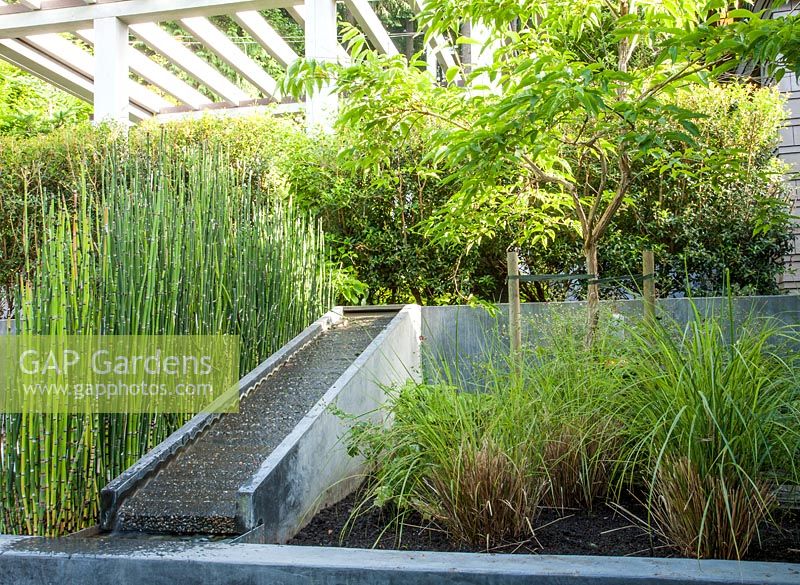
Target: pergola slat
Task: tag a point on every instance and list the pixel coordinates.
(373, 27)
(262, 32)
(203, 30)
(158, 76)
(70, 55)
(165, 44)
(437, 45)
(29, 59)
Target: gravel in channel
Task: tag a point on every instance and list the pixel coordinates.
(195, 493)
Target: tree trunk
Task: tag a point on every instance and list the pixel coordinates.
(409, 39)
(593, 299)
(417, 295)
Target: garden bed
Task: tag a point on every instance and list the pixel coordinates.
(601, 532)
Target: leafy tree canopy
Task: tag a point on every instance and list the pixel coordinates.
(577, 101)
(29, 106)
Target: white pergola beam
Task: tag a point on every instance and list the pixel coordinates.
(218, 42)
(165, 44)
(69, 54)
(112, 86)
(262, 32)
(298, 13)
(321, 44)
(46, 68)
(15, 23)
(289, 108)
(29, 59)
(372, 25)
(157, 75)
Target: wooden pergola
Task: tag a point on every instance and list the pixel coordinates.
(32, 38)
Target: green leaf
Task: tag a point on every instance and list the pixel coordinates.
(452, 73)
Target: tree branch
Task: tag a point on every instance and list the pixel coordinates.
(619, 196)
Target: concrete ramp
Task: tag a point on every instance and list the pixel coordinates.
(194, 486)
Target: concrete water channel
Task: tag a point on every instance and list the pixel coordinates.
(214, 502)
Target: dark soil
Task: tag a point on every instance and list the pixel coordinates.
(605, 531)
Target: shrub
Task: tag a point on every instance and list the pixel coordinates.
(373, 218)
(721, 204)
(713, 427)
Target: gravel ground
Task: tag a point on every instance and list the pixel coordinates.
(196, 492)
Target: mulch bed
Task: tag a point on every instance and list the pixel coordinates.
(603, 532)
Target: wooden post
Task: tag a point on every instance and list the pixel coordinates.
(649, 285)
(514, 308)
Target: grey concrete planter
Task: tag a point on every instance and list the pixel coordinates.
(113, 494)
(31, 561)
(7, 327)
(311, 468)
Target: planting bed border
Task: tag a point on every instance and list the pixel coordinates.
(32, 561)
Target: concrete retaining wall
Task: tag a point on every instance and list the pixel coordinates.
(115, 492)
(458, 339)
(132, 562)
(311, 468)
(6, 326)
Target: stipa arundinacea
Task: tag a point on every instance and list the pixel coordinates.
(172, 245)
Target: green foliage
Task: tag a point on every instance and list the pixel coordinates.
(556, 130)
(171, 246)
(713, 426)
(479, 464)
(372, 220)
(720, 204)
(29, 106)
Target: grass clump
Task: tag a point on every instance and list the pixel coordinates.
(713, 427)
(455, 458)
(699, 422)
(480, 464)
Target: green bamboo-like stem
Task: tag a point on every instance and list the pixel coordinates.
(175, 244)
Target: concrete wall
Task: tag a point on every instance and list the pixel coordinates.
(6, 326)
(458, 340)
(30, 561)
(311, 468)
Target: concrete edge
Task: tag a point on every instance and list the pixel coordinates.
(320, 407)
(112, 495)
(25, 561)
(7, 326)
(311, 468)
